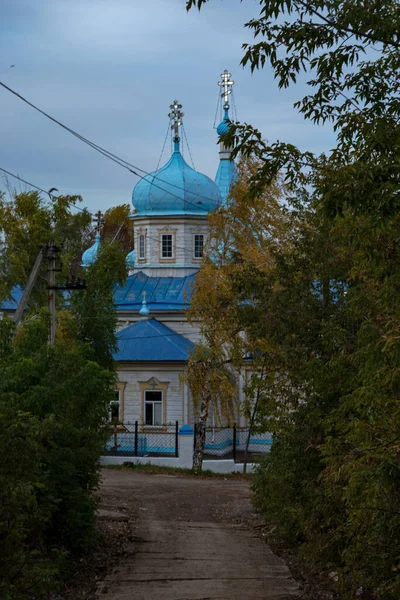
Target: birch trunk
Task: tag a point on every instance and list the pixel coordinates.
(200, 437)
(253, 416)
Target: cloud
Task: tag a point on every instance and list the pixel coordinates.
(110, 69)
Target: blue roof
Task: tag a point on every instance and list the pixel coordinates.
(162, 293)
(16, 295)
(149, 340)
(225, 177)
(90, 255)
(175, 189)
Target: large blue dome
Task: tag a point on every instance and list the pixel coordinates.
(175, 189)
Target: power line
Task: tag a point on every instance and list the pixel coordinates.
(77, 207)
(36, 187)
(120, 161)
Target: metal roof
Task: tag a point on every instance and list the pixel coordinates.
(175, 189)
(149, 340)
(162, 293)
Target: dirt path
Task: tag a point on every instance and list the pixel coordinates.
(190, 542)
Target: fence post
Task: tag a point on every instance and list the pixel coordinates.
(115, 440)
(136, 438)
(176, 438)
(234, 442)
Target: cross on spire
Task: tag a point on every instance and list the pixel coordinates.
(176, 118)
(226, 83)
(98, 220)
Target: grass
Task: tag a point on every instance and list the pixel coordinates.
(159, 470)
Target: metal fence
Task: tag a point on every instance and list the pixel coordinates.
(231, 442)
(132, 439)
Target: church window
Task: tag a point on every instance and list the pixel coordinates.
(142, 246)
(115, 408)
(198, 245)
(153, 407)
(166, 246)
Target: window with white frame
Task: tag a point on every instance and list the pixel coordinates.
(153, 407)
(198, 245)
(142, 246)
(115, 408)
(167, 245)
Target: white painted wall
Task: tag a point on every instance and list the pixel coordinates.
(182, 228)
(133, 376)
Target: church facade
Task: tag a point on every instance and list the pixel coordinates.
(170, 221)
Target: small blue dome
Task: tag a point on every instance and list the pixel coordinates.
(175, 189)
(90, 255)
(144, 311)
(225, 124)
(130, 260)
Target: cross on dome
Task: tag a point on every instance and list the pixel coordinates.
(176, 118)
(226, 83)
(98, 220)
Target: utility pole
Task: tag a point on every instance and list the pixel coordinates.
(28, 288)
(51, 256)
(49, 252)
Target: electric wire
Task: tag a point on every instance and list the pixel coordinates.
(177, 247)
(36, 187)
(216, 112)
(163, 148)
(188, 147)
(116, 159)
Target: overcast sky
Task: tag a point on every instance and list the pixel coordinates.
(109, 69)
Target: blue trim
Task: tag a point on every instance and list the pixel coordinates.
(186, 430)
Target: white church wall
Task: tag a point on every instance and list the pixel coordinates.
(173, 397)
(182, 229)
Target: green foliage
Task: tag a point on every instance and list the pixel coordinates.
(93, 309)
(26, 224)
(53, 404)
(118, 226)
(328, 307)
(53, 408)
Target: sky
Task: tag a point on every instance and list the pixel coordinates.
(110, 69)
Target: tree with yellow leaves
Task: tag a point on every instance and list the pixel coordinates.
(245, 237)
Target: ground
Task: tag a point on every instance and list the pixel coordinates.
(189, 541)
(180, 537)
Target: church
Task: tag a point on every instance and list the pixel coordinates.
(170, 223)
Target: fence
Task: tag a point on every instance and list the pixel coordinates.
(131, 439)
(230, 443)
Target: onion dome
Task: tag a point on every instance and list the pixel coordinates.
(130, 260)
(175, 189)
(144, 311)
(90, 255)
(225, 124)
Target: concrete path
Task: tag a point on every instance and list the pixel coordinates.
(191, 542)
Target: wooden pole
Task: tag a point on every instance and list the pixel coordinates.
(52, 291)
(28, 288)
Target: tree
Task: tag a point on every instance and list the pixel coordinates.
(27, 222)
(352, 52)
(54, 404)
(118, 227)
(243, 239)
(213, 387)
(331, 483)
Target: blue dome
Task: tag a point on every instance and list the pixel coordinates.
(175, 189)
(90, 255)
(225, 124)
(130, 260)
